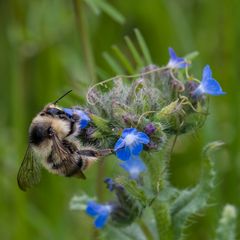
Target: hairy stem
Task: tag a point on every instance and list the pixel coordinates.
(163, 220)
(145, 230)
(157, 167)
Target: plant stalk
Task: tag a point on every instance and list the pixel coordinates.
(82, 26)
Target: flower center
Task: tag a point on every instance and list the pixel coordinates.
(130, 139)
(134, 171)
(107, 208)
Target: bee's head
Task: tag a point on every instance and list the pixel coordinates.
(50, 121)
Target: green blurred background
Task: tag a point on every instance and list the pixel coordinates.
(41, 56)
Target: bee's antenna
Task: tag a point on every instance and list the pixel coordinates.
(62, 97)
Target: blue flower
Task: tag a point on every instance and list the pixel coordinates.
(130, 143)
(84, 118)
(100, 212)
(208, 85)
(134, 167)
(175, 61)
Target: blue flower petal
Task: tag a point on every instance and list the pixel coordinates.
(208, 85)
(134, 167)
(172, 53)
(84, 119)
(93, 208)
(212, 87)
(127, 131)
(101, 220)
(175, 61)
(82, 114)
(68, 111)
(143, 138)
(123, 153)
(119, 144)
(137, 148)
(207, 73)
(83, 123)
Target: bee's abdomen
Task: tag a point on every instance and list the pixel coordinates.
(66, 167)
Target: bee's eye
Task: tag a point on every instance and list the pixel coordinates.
(54, 111)
(37, 134)
(42, 114)
(63, 116)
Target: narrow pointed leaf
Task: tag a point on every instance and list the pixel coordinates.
(143, 47)
(123, 60)
(116, 67)
(111, 11)
(136, 56)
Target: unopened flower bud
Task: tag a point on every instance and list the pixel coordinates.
(149, 128)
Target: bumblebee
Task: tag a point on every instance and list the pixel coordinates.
(53, 144)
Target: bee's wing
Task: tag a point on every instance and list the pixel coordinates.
(29, 172)
(67, 158)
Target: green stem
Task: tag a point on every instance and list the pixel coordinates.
(163, 219)
(158, 171)
(145, 230)
(82, 26)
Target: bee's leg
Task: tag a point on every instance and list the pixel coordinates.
(95, 153)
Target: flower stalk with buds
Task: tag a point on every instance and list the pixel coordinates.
(140, 117)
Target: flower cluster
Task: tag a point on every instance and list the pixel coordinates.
(174, 98)
(122, 211)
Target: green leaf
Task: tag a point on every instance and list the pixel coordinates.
(190, 202)
(99, 6)
(191, 55)
(94, 6)
(124, 60)
(136, 56)
(101, 123)
(134, 190)
(111, 11)
(103, 75)
(116, 67)
(80, 202)
(143, 47)
(128, 233)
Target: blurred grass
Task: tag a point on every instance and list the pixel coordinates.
(41, 57)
